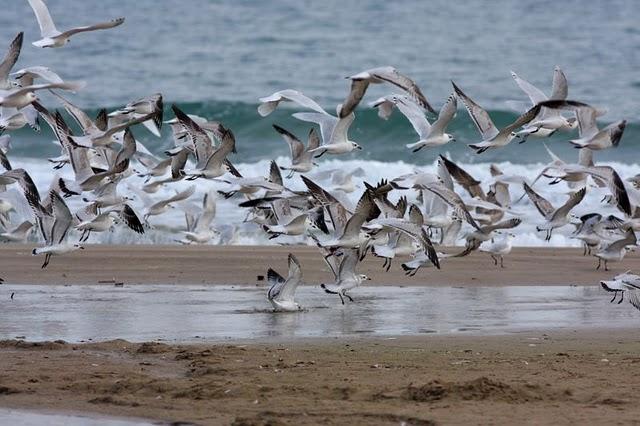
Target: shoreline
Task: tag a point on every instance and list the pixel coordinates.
(241, 265)
(559, 377)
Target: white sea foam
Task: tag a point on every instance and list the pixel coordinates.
(167, 227)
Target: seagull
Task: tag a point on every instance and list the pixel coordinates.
(548, 120)
(590, 136)
(17, 234)
(498, 248)
(453, 200)
(555, 218)
(624, 282)
(338, 142)
(586, 232)
(301, 157)
(105, 220)
(150, 106)
(616, 251)
(282, 291)
(199, 230)
(360, 82)
(54, 226)
(162, 206)
(346, 278)
(270, 103)
(27, 76)
(475, 239)
(430, 135)
(298, 225)
(51, 37)
(23, 96)
(491, 136)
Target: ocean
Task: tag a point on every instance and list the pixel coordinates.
(215, 59)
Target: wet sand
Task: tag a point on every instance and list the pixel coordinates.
(560, 378)
(146, 264)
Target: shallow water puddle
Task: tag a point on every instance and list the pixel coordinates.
(195, 313)
(29, 418)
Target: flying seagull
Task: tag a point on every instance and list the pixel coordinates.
(360, 82)
(491, 136)
(51, 37)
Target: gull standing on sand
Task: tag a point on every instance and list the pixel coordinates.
(360, 82)
(491, 136)
(616, 251)
(498, 248)
(282, 291)
(51, 37)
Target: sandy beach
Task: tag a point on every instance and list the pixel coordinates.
(146, 264)
(532, 378)
(543, 377)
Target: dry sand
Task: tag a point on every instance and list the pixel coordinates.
(564, 378)
(146, 264)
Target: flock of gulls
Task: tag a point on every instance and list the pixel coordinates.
(428, 210)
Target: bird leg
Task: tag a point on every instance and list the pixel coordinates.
(621, 297)
(495, 261)
(341, 298)
(502, 261)
(606, 268)
(599, 262)
(615, 294)
(389, 264)
(584, 251)
(46, 260)
(348, 297)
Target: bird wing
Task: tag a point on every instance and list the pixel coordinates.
(535, 95)
(276, 281)
(453, 199)
(505, 224)
(339, 134)
(100, 26)
(478, 115)
(47, 27)
(542, 204)
(615, 184)
(62, 221)
(347, 270)
(129, 216)
(358, 89)
(574, 200)
(391, 75)
(586, 114)
(415, 115)
(447, 112)
(202, 143)
(11, 57)
(337, 212)
(522, 120)
(464, 179)
(183, 195)
(83, 120)
(559, 87)
(293, 279)
(296, 147)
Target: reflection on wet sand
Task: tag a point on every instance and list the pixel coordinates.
(194, 313)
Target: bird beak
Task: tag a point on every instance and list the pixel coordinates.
(359, 147)
(81, 248)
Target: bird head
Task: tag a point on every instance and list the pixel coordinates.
(355, 145)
